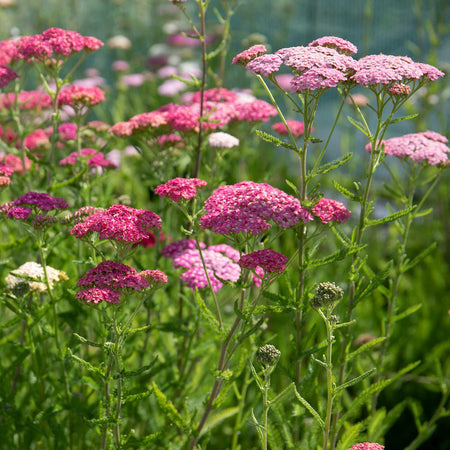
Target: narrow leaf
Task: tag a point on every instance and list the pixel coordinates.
(218, 417)
(401, 119)
(328, 167)
(391, 217)
(169, 409)
(345, 192)
(313, 412)
(407, 312)
(364, 348)
(292, 186)
(90, 368)
(354, 380)
(358, 125)
(274, 140)
(87, 341)
(349, 437)
(206, 313)
(419, 258)
(336, 256)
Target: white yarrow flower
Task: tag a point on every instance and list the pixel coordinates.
(222, 140)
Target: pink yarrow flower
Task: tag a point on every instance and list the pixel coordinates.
(79, 96)
(269, 260)
(26, 100)
(180, 188)
(119, 223)
(367, 446)
(328, 210)
(427, 147)
(248, 207)
(97, 159)
(337, 43)
(317, 78)
(243, 58)
(265, 65)
(297, 128)
(219, 262)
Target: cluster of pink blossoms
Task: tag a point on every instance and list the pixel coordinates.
(296, 128)
(269, 260)
(247, 207)
(180, 188)
(220, 108)
(79, 96)
(327, 61)
(328, 210)
(367, 446)
(94, 159)
(109, 280)
(51, 43)
(26, 100)
(119, 223)
(6, 76)
(427, 147)
(220, 262)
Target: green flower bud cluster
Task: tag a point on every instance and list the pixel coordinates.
(327, 295)
(268, 355)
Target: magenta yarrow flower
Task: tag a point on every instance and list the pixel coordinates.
(108, 281)
(6, 76)
(328, 210)
(220, 139)
(243, 58)
(36, 140)
(367, 446)
(269, 260)
(41, 201)
(265, 65)
(94, 159)
(118, 223)
(8, 51)
(336, 43)
(427, 147)
(248, 207)
(67, 131)
(180, 188)
(296, 128)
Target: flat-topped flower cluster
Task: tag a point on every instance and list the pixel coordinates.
(327, 61)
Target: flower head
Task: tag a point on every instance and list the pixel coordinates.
(265, 65)
(243, 58)
(367, 446)
(222, 140)
(426, 147)
(31, 277)
(248, 206)
(337, 43)
(328, 210)
(327, 295)
(79, 96)
(119, 223)
(180, 188)
(268, 354)
(6, 76)
(296, 128)
(155, 278)
(269, 260)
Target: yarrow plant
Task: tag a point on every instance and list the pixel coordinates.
(178, 300)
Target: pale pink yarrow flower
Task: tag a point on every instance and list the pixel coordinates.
(180, 188)
(241, 59)
(269, 260)
(328, 210)
(222, 140)
(317, 78)
(264, 65)
(367, 446)
(337, 43)
(284, 80)
(427, 147)
(171, 87)
(296, 128)
(120, 66)
(133, 80)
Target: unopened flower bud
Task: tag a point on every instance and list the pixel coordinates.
(327, 294)
(268, 355)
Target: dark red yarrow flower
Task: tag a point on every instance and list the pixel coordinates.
(180, 188)
(119, 223)
(6, 76)
(328, 210)
(96, 295)
(42, 201)
(269, 260)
